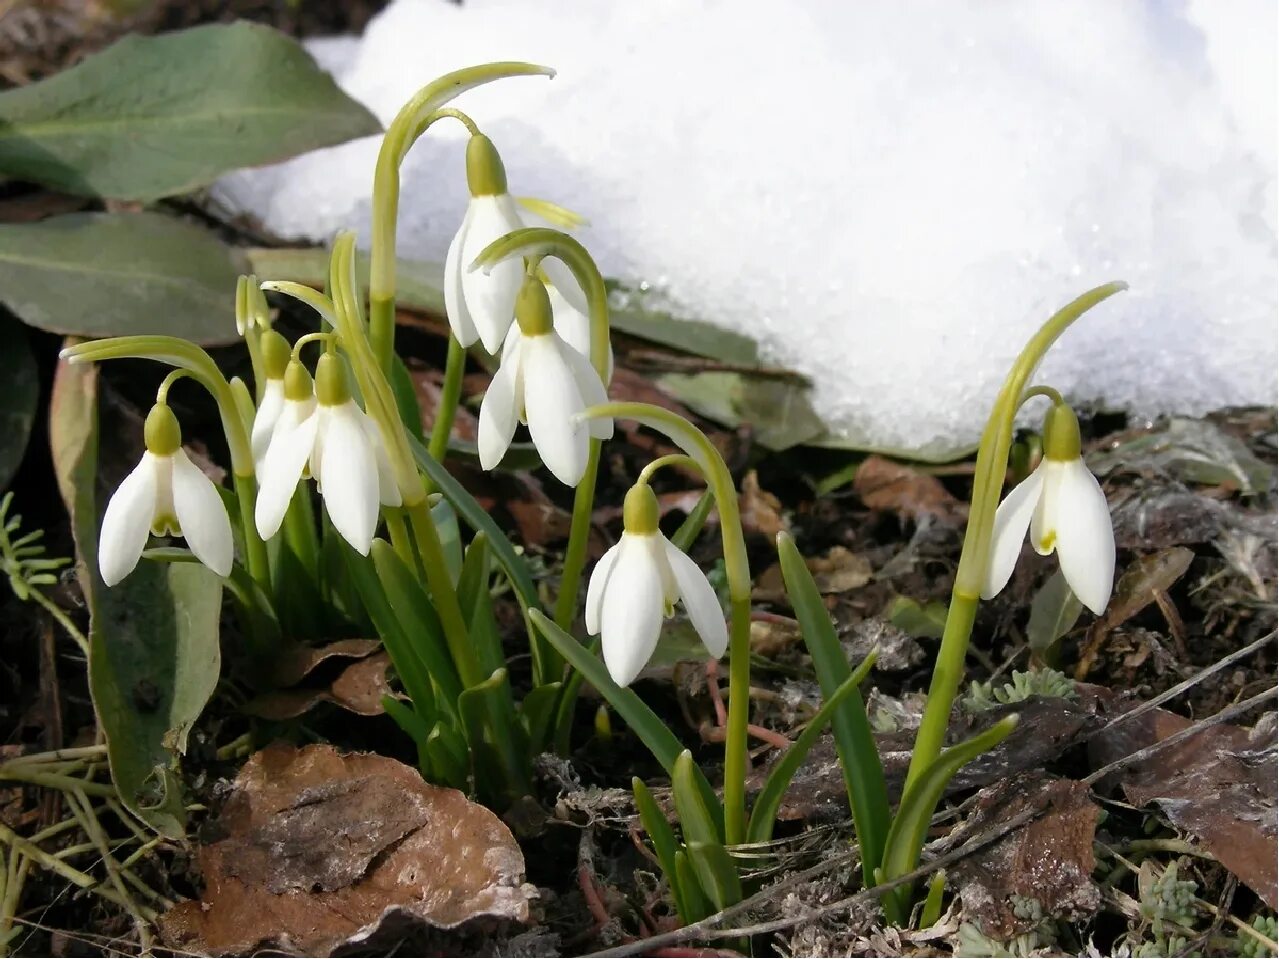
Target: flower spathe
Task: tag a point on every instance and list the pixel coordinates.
(1063, 507)
(481, 305)
(164, 494)
(635, 586)
(329, 435)
(544, 382)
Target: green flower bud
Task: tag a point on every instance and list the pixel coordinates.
(1061, 434)
(640, 511)
(485, 174)
(162, 434)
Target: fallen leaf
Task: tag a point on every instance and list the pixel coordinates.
(1219, 785)
(1049, 860)
(761, 511)
(358, 688)
(1192, 450)
(296, 663)
(321, 850)
(839, 571)
(895, 487)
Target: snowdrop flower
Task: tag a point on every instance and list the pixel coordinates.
(325, 433)
(546, 383)
(573, 322)
(635, 585)
(1063, 506)
(275, 360)
(480, 305)
(166, 494)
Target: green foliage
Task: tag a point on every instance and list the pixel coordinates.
(1166, 898)
(113, 274)
(154, 116)
(22, 557)
(1048, 683)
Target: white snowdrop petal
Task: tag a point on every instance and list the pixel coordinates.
(500, 408)
(1011, 520)
(565, 282)
(597, 588)
(589, 386)
(348, 478)
(1085, 537)
(459, 316)
(202, 515)
(700, 601)
(574, 328)
(1044, 523)
(631, 618)
(127, 521)
(264, 420)
(281, 471)
(490, 297)
(551, 403)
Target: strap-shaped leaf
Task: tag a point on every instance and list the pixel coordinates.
(477, 604)
(537, 711)
(408, 719)
(714, 867)
(419, 624)
(498, 749)
(858, 755)
(447, 751)
(906, 837)
(698, 905)
(684, 536)
(769, 800)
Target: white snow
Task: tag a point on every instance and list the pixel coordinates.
(889, 196)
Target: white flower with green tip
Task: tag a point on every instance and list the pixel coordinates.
(166, 494)
(1063, 507)
(545, 383)
(635, 586)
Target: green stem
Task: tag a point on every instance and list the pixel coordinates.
(444, 594)
(737, 568)
(670, 459)
(446, 409)
(62, 619)
(410, 123)
(574, 560)
(992, 462)
(255, 559)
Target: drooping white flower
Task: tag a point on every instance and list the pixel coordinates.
(635, 586)
(166, 494)
(1063, 506)
(480, 305)
(275, 360)
(545, 383)
(327, 434)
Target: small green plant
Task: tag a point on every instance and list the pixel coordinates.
(1048, 683)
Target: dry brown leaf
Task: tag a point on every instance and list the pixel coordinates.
(761, 511)
(884, 485)
(839, 571)
(296, 663)
(1049, 860)
(1218, 785)
(358, 687)
(321, 849)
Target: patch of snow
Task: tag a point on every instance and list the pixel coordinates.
(889, 197)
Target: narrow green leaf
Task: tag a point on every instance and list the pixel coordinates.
(537, 710)
(479, 520)
(22, 393)
(406, 398)
(693, 522)
(154, 654)
(931, 912)
(690, 888)
(154, 116)
(854, 740)
(923, 621)
(665, 846)
(447, 750)
(389, 619)
(715, 869)
(477, 605)
(769, 800)
(910, 826)
(497, 750)
(112, 274)
(416, 728)
(417, 621)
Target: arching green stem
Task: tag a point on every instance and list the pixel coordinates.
(737, 567)
(409, 124)
(200, 366)
(1046, 391)
(534, 244)
(992, 462)
(305, 294)
(670, 459)
(162, 393)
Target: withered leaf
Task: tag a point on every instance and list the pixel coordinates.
(318, 850)
(884, 485)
